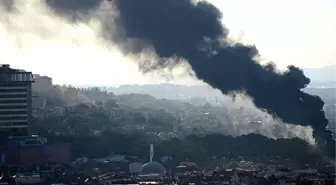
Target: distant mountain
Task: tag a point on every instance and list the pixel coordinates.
(322, 77)
(168, 91)
(196, 93)
(327, 94)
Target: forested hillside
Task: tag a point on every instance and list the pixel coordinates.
(99, 122)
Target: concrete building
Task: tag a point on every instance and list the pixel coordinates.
(15, 101)
(35, 150)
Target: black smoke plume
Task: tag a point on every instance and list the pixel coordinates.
(193, 31)
(73, 9)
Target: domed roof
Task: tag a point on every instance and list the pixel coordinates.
(153, 168)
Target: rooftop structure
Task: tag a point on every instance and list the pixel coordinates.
(153, 168)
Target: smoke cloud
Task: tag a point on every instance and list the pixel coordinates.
(193, 31)
(36, 38)
(74, 9)
(186, 30)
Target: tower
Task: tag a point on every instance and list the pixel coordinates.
(151, 152)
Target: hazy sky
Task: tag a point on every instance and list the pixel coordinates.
(299, 32)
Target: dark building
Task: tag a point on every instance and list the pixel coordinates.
(35, 150)
(15, 101)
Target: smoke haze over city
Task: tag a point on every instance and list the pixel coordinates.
(53, 38)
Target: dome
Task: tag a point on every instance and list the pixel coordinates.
(153, 168)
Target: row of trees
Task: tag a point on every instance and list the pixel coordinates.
(194, 148)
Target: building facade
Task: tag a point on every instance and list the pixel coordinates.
(35, 150)
(15, 101)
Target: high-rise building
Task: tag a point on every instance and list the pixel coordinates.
(15, 101)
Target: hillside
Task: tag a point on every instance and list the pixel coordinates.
(79, 114)
(183, 115)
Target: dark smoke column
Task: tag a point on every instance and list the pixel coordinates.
(73, 9)
(194, 31)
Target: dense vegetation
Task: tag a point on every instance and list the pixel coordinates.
(94, 133)
(193, 147)
(97, 123)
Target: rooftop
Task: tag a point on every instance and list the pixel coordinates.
(151, 168)
(8, 74)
